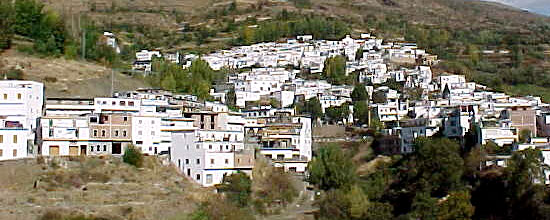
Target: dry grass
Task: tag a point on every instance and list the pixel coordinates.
(95, 187)
(68, 78)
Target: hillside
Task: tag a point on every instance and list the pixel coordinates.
(456, 30)
(68, 78)
(98, 187)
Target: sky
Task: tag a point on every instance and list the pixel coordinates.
(537, 6)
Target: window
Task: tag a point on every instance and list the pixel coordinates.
(210, 147)
(113, 103)
(1, 138)
(130, 103)
(140, 132)
(139, 142)
(92, 148)
(116, 133)
(104, 147)
(102, 133)
(124, 133)
(95, 133)
(198, 161)
(125, 118)
(1, 152)
(14, 153)
(186, 161)
(140, 121)
(18, 95)
(197, 146)
(211, 161)
(226, 161)
(122, 103)
(179, 163)
(208, 178)
(98, 148)
(15, 139)
(187, 147)
(5, 96)
(152, 122)
(93, 119)
(152, 132)
(198, 177)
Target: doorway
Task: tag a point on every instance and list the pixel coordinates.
(117, 148)
(83, 149)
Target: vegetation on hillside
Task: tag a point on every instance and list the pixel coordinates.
(434, 182)
(196, 80)
(133, 156)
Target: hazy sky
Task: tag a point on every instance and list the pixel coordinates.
(538, 6)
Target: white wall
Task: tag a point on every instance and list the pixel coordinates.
(8, 145)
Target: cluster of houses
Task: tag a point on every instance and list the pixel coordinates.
(207, 140)
(424, 105)
(204, 140)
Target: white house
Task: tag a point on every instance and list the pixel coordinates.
(21, 105)
(64, 135)
(214, 149)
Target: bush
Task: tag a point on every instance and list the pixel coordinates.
(133, 156)
(14, 74)
(237, 188)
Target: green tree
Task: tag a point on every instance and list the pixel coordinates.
(271, 184)
(168, 83)
(28, 16)
(456, 206)
(331, 169)
(6, 24)
(337, 113)
(359, 54)
(424, 206)
(313, 107)
(352, 204)
(237, 188)
(133, 156)
(359, 93)
(439, 165)
(231, 98)
(361, 112)
(334, 69)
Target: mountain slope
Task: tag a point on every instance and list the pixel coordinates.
(203, 26)
(68, 78)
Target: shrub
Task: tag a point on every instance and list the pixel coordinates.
(51, 79)
(133, 156)
(237, 188)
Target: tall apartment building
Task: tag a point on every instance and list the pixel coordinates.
(212, 148)
(21, 105)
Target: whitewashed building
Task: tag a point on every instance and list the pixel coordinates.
(21, 104)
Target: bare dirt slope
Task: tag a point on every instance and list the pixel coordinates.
(68, 78)
(96, 187)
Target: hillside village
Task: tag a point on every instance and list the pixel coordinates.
(206, 140)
